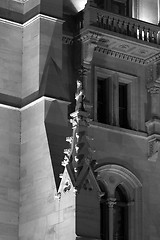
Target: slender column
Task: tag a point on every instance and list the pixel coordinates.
(111, 202)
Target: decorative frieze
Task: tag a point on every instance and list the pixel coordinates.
(124, 51)
(119, 55)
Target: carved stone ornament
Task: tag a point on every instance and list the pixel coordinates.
(111, 202)
(67, 186)
(67, 40)
(154, 90)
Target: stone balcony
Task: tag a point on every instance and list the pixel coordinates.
(92, 16)
(123, 37)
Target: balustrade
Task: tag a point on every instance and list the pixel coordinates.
(144, 31)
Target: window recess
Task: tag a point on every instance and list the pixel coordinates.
(115, 99)
(103, 100)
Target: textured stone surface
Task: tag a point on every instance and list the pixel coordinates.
(40, 212)
(9, 172)
(10, 60)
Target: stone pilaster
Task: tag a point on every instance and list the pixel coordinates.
(111, 202)
(153, 125)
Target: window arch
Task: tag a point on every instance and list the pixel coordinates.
(121, 203)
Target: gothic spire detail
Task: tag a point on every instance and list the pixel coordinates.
(78, 158)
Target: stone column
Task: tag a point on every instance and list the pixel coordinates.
(111, 202)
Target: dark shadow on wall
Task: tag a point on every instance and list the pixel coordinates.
(56, 76)
(57, 129)
(51, 83)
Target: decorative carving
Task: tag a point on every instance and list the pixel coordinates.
(67, 40)
(90, 35)
(111, 202)
(124, 46)
(100, 44)
(69, 139)
(154, 90)
(119, 55)
(65, 161)
(67, 151)
(67, 186)
(142, 51)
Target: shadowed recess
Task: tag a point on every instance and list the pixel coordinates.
(52, 84)
(57, 130)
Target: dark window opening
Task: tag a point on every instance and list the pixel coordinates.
(120, 215)
(103, 100)
(100, 4)
(104, 214)
(120, 7)
(123, 105)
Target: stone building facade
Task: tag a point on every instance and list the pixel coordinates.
(79, 119)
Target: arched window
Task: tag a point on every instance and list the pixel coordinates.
(114, 215)
(121, 203)
(120, 215)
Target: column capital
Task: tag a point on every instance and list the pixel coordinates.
(154, 89)
(111, 202)
(154, 86)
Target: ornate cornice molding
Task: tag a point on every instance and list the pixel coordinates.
(89, 35)
(119, 55)
(102, 47)
(32, 20)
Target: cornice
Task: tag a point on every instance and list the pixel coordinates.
(127, 50)
(89, 35)
(42, 16)
(34, 102)
(38, 16)
(119, 55)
